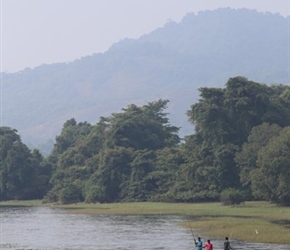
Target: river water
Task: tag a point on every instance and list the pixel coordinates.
(53, 229)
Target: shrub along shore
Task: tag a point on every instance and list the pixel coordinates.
(252, 221)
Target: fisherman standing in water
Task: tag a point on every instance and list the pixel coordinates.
(227, 245)
(208, 245)
(198, 243)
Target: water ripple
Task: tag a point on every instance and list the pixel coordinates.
(51, 229)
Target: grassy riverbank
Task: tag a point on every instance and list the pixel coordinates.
(252, 221)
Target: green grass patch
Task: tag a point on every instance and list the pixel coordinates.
(249, 229)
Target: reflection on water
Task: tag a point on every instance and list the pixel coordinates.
(51, 229)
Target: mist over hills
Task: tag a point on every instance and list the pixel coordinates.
(171, 62)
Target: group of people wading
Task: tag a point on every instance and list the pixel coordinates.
(209, 246)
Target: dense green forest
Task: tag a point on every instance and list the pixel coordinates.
(238, 150)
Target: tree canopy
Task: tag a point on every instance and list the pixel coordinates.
(238, 150)
(23, 174)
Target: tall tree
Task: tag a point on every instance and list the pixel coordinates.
(145, 127)
(271, 178)
(22, 175)
(223, 120)
(108, 183)
(246, 159)
(140, 187)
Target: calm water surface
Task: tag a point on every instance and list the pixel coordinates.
(52, 229)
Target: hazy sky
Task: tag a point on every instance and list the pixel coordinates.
(34, 32)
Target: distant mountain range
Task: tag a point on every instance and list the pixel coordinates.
(171, 62)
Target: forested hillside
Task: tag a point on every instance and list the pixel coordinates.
(171, 62)
(238, 150)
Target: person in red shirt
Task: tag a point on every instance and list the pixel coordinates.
(208, 245)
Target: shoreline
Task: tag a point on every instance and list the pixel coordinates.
(253, 221)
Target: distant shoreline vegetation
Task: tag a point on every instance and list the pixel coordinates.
(238, 152)
(252, 221)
